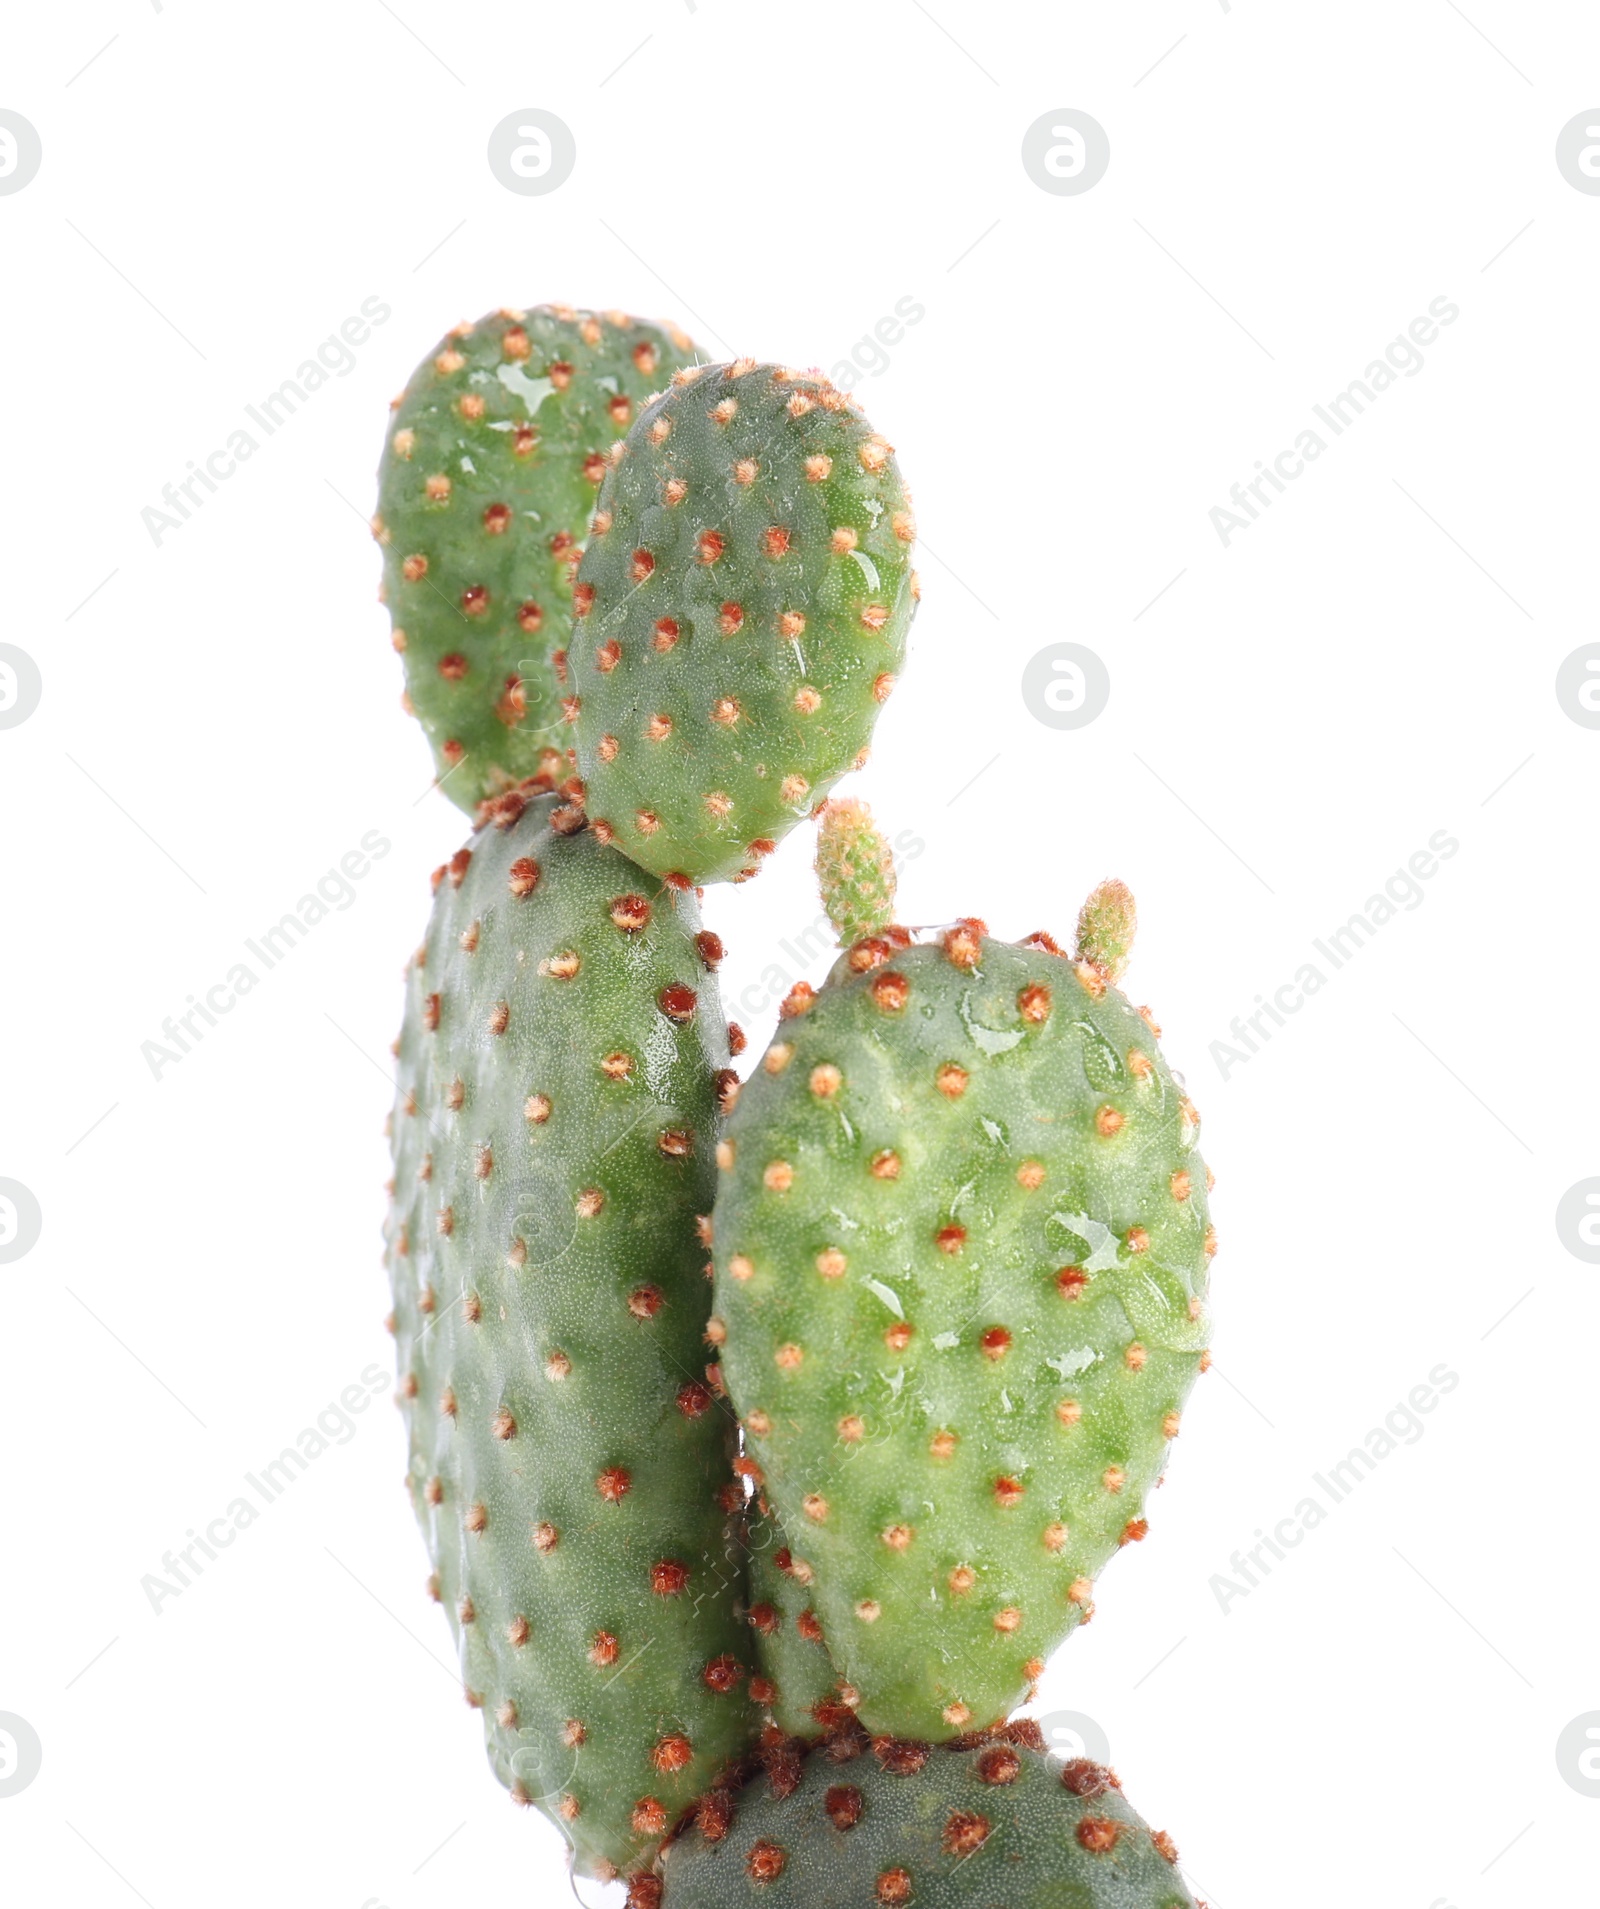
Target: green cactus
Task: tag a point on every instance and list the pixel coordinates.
(560, 1066)
(961, 1254)
(995, 1825)
(745, 597)
(493, 461)
(961, 1232)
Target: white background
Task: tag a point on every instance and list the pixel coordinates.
(1292, 716)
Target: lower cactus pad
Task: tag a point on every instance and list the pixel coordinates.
(996, 1825)
(570, 1464)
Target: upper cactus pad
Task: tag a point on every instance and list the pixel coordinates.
(494, 458)
(744, 601)
(998, 1825)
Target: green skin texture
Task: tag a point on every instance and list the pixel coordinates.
(1033, 1094)
(1030, 1857)
(798, 1671)
(776, 760)
(618, 1405)
(547, 492)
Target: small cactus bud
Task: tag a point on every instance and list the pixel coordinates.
(1106, 925)
(855, 871)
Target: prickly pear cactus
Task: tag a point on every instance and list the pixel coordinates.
(492, 465)
(999, 1823)
(961, 1257)
(559, 1072)
(744, 601)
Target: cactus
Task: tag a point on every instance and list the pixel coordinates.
(855, 871)
(961, 1254)
(993, 1823)
(559, 1069)
(744, 600)
(960, 1229)
(794, 1680)
(494, 457)
(1106, 925)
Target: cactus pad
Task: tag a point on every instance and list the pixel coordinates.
(795, 1680)
(569, 1462)
(997, 1825)
(961, 1248)
(495, 454)
(744, 601)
